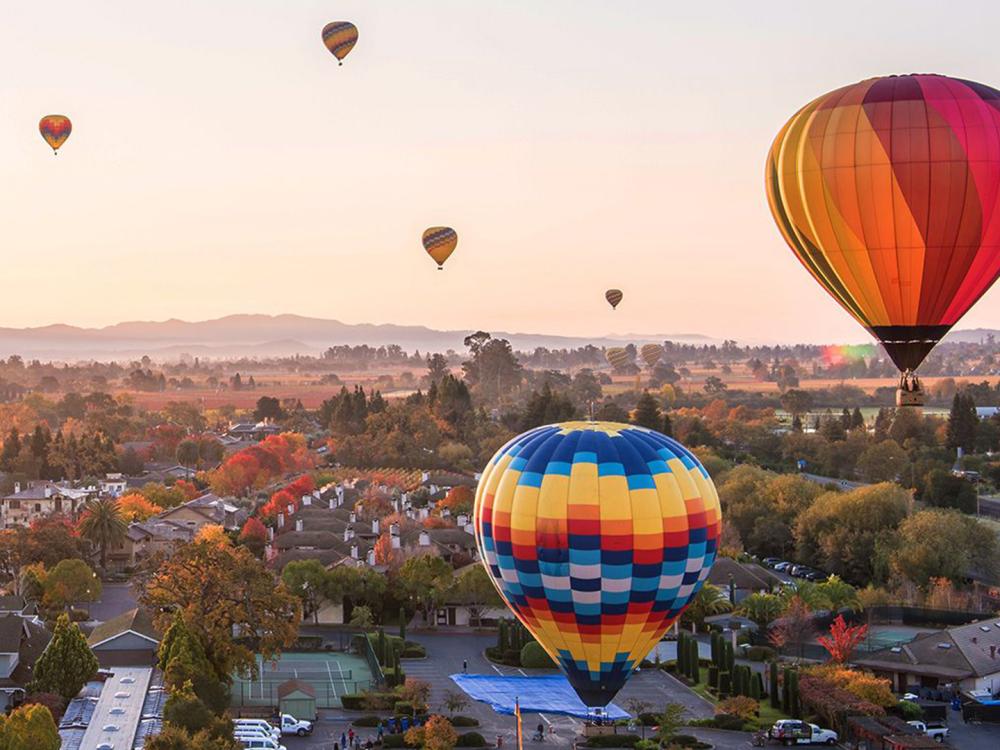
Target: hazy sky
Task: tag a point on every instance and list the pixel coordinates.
(221, 162)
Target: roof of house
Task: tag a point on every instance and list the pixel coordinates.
(34, 640)
(37, 491)
(11, 632)
(954, 653)
(324, 556)
(11, 603)
(136, 621)
(744, 575)
(287, 688)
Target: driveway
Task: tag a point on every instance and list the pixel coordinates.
(116, 598)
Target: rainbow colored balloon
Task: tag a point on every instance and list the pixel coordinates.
(339, 37)
(888, 191)
(597, 535)
(55, 129)
(440, 243)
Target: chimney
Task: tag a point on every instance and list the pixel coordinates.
(425, 539)
(354, 551)
(394, 529)
(410, 513)
(268, 551)
(299, 525)
(270, 533)
(307, 500)
(394, 536)
(354, 516)
(291, 509)
(425, 513)
(281, 520)
(348, 533)
(424, 477)
(445, 512)
(371, 557)
(375, 530)
(470, 529)
(17, 487)
(462, 520)
(48, 492)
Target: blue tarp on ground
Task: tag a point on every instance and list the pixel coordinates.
(546, 694)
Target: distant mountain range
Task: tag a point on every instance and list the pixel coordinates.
(265, 336)
(285, 335)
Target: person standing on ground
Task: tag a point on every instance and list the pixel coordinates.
(465, 666)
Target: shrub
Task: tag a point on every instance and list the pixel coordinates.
(613, 740)
(760, 653)
(413, 652)
(910, 710)
(745, 708)
(368, 701)
(403, 708)
(689, 741)
(393, 741)
(78, 615)
(533, 656)
(463, 721)
(647, 745)
(648, 719)
(366, 721)
(471, 739)
(722, 721)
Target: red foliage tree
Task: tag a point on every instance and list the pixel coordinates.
(253, 536)
(458, 500)
(843, 639)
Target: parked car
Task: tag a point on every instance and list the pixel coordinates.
(799, 571)
(242, 730)
(259, 743)
(771, 561)
(250, 724)
(291, 725)
(783, 566)
(815, 575)
(937, 732)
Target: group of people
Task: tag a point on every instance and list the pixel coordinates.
(351, 740)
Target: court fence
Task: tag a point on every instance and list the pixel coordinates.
(264, 692)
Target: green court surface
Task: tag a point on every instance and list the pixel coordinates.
(882, 637)
(330, 673)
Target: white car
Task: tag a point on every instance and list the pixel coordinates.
(245, 731)
(260, 743)
(820, 736)
(291, 725)
(245, 724)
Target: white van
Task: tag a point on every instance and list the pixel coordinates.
(259, 743)
(240, 724)
(240, 731)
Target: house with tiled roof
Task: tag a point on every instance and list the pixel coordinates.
(965, 656)
(207, 509)
(41, 499)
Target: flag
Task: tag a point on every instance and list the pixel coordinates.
(517, 716)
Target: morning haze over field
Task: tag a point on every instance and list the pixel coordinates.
(436, 374)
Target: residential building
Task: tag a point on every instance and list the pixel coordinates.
(22, 641)
(120, 712)
(129, 640)
(208, 509)
(42, 499)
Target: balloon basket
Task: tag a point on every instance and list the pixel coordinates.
(909, 397)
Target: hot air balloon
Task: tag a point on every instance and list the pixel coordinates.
(55, 129)
(651, 354)
(596, 535)
(888, 191)
(618, 357)
(340, 38)
(440, 242)
(613, 296)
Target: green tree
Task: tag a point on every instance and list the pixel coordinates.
(103, 525)
(66, 664)
(942, 489)
(882, 462)
(29, 727)
(425, 580)
(710, 600)
(361, 617)
(943, 543)
(763, 609)
(796, 402)
(268, 407)
(186, 710)
(474, 588)
(71, 581)
(647, 412)
(962, 423)
(670, 721)
(307, 580)
(187, 453)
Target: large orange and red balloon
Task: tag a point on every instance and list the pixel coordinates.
(888, 191)
(597, 536)
(55, 129)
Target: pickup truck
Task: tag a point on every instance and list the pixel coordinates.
(936, 731)
(290, 725)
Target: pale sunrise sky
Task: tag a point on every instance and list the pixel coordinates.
(222, 163)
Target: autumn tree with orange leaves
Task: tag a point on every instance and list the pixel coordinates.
(135, 507)
(842, 640)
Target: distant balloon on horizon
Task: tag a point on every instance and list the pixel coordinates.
(440, 243)
(340, 38)
(55, 129)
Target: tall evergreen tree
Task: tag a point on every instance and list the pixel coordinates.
(647, 412)
(962, 423)
(66, 664)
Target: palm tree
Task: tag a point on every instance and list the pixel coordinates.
(708, 601)
(103, 525)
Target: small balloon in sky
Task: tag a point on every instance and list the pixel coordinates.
(440, 243)
(340, 38)
(613, 296)
(55, 129)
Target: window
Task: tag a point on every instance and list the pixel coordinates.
(16, 505)
(38, 507)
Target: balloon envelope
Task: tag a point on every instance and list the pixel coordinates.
(440, 243)
(597, 535)
(888, 191)
(340, 38)
(613, 296)
(651, 353)
(618, 357)
(55, 129)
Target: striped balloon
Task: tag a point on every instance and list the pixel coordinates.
(618, 357)
(440, 243)
(55, 129)
(340, 38)
(613, 296)
(597, 535)
(651, 353)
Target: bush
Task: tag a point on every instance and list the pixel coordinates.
(613, 740)
(403, 708)
(728, 721)
(649, 719)
(760, 653)
(366, 721)
(533, 656)
(463, 721)
(471, 739)
(740, 706)
(910, 710)
(393, 741)
(415, 651)
(647, 745)
(687, 740)
(78, 615)
(368, 701)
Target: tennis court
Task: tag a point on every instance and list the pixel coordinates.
(330, 673)
(880, 637)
